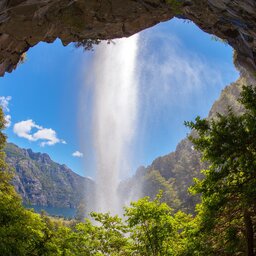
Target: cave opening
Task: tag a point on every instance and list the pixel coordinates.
(181, 71)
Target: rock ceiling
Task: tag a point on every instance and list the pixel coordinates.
(24, 23)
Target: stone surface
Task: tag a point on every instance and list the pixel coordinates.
(24, 23)
(231, 20)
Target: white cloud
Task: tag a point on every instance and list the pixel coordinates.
(77, 154)
(4, 102)
(48, 136)
(23, 129)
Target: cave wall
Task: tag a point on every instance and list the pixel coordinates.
(24, 23)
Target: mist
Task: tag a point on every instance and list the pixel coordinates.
(114, 117)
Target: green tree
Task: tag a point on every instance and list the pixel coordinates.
(21, 230)
(228, 190)
(154, 182)
(154, 228)
(107, 237)
(87, 44)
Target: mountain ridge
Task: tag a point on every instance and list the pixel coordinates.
(41, 181)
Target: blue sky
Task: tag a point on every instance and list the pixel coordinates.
(182, 72)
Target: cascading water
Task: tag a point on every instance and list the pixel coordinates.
(114, 117)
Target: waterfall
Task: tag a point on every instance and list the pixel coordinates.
(114, 116)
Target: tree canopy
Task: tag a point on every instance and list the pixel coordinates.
(229, 187)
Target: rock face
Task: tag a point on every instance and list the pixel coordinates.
(40, 181)
(24, 23)
(231, 20)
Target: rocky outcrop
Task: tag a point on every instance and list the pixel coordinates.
(24, 23)
(233, 21)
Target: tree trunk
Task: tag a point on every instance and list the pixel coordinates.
(249, 233)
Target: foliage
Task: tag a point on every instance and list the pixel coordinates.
(229, 188)
(19, 228)
(87, 44)
(154, 182)
(154, 228)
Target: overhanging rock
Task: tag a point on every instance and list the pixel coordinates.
(24, 23)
